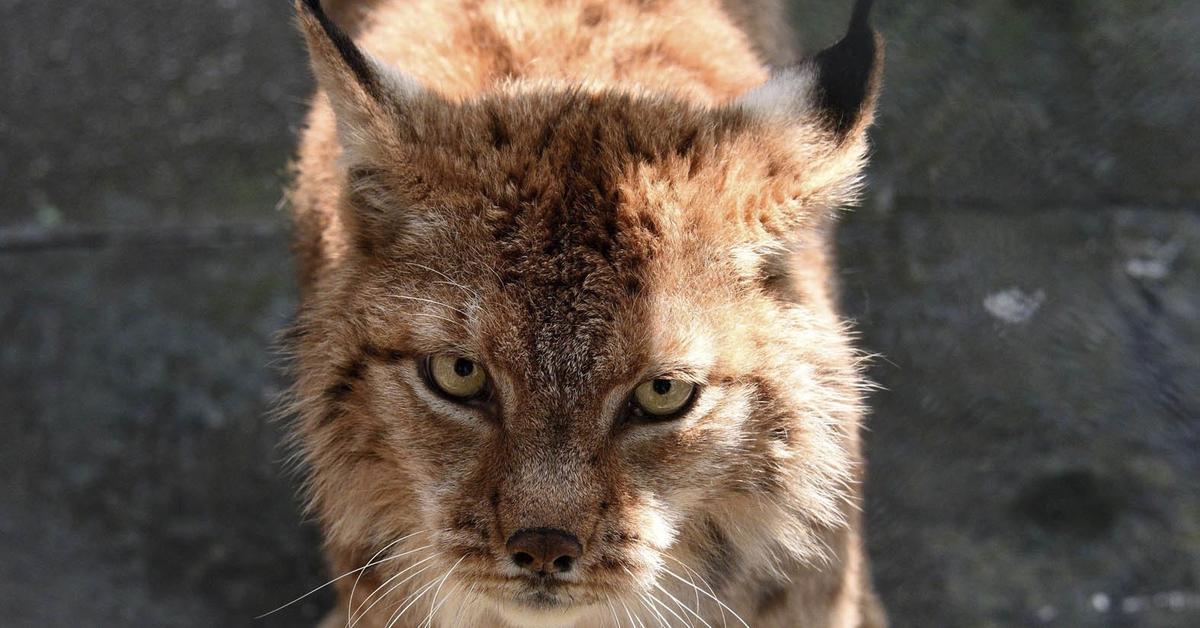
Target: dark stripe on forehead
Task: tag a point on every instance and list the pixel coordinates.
(563, 240)
(498, 130)
(571, 243)
(550, 129)
(562, 200)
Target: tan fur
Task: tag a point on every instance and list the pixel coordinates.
(569, 193)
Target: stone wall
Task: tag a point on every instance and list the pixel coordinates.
(1026, 265)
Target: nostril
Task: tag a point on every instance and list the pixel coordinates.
(522, 559)
(544, 551)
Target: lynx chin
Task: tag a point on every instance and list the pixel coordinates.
(568, 351)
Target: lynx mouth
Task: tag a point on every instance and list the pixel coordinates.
(535, 603)
(543, 594)
(542, 609)
(541, 599)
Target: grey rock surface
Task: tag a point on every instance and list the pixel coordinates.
(145, 112)
(1027, 264)
(1035, 449)
(142, 480)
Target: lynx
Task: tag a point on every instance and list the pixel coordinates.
(568, 352)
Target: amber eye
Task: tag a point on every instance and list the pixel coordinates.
(456, 377)
(662, 398)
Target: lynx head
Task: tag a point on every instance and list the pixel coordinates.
(582, 335)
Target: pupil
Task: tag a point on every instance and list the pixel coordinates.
(463, 367)
(662, 386)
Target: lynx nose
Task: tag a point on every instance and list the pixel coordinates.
(544, 550)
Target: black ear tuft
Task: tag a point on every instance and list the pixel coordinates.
(849, 72)
(354, 58)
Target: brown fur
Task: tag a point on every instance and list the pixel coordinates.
(579, 196)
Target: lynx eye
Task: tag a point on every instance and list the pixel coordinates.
(662, 398)
(456, 377)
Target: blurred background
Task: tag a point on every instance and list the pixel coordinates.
(1027, 263)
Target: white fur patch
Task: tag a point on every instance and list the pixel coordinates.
(789, 94)
(398, 84)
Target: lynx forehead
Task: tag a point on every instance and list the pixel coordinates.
(567, 353)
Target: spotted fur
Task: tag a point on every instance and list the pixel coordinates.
(580, 195)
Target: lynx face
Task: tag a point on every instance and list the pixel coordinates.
(580, 342)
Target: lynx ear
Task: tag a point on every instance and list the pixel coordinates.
(363, 91)
(838, 87)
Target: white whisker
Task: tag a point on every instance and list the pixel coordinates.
(412, 598)
(462, 603)
(681, 606)
(691, 572)
(613, 610)
(710, 596)
(692, 581)
(434, 606)
(350, 600)
(359, 571)
(650, 604)
(388, 592)
(440, 318)
(448, 280)
(430, 301)
(633, 621)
